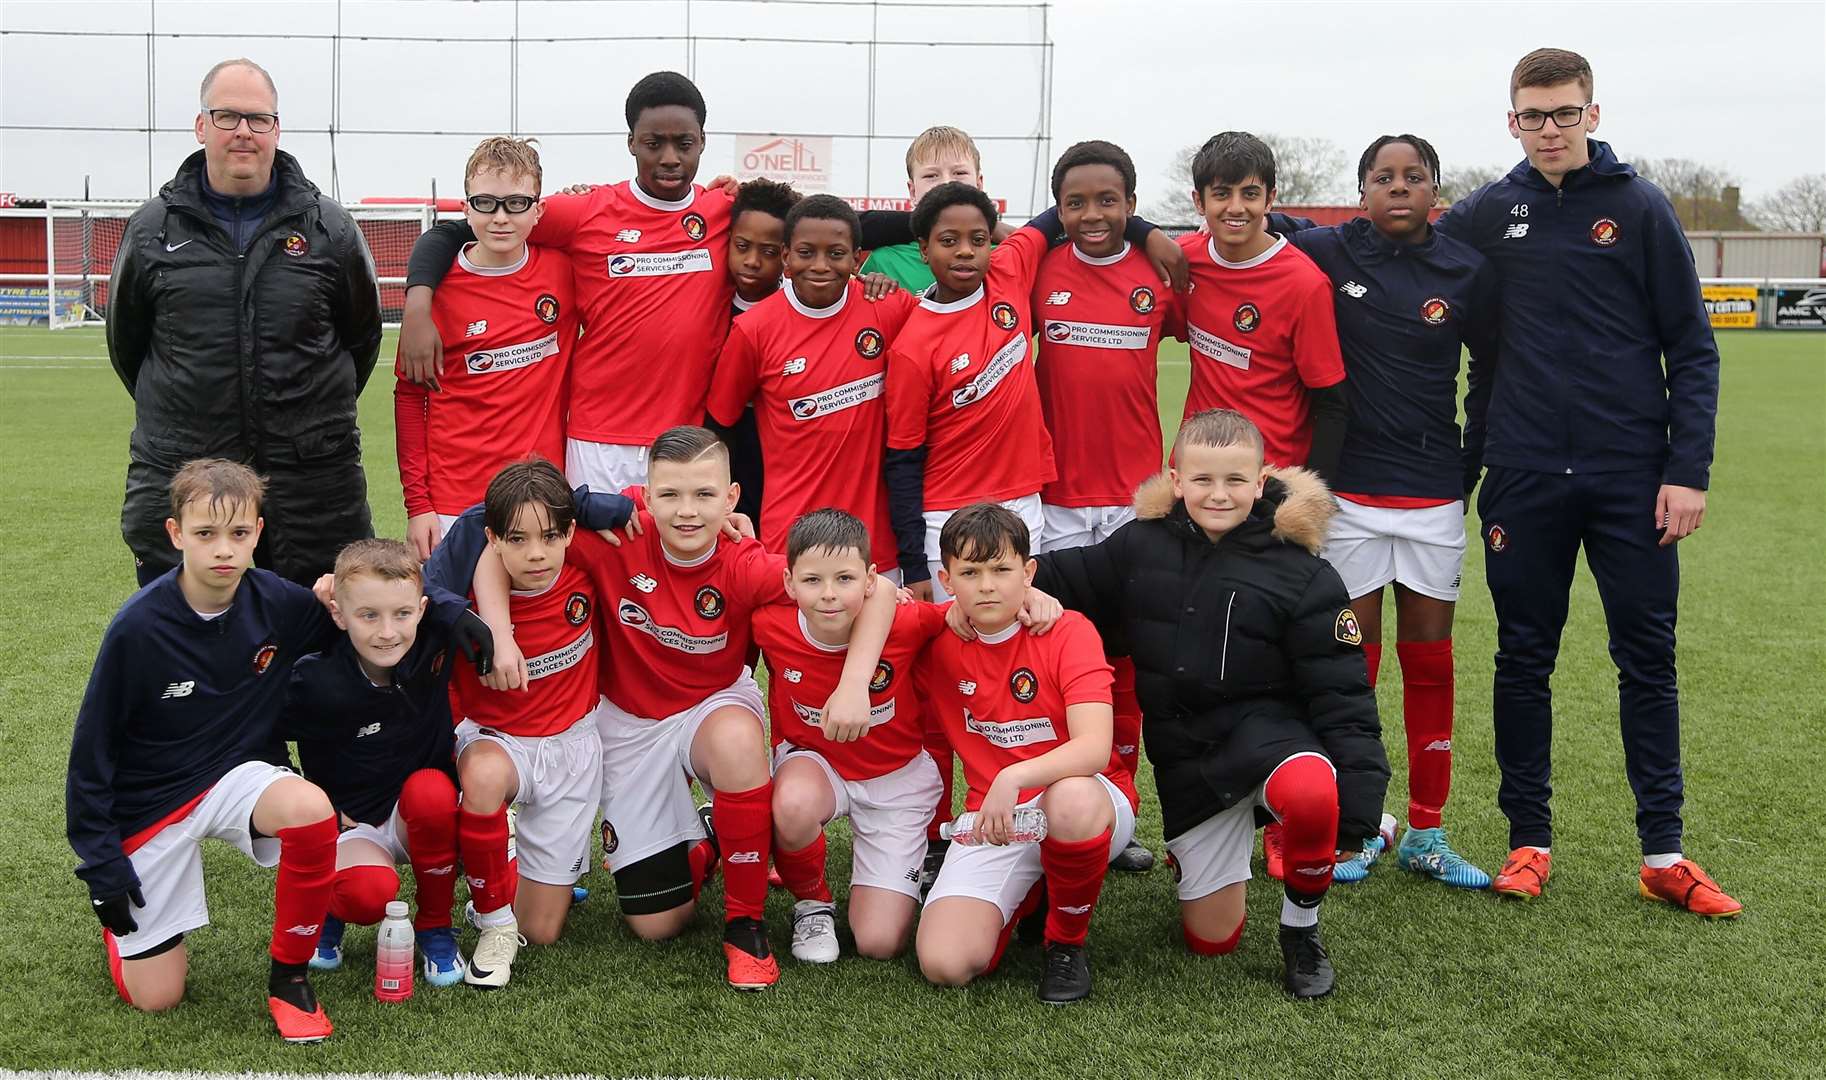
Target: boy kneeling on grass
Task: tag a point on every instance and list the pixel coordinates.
(1255, 700)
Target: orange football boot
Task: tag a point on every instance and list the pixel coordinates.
(1523, 873)
(1685, 885)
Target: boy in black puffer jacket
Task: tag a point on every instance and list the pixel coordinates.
(1255, 698)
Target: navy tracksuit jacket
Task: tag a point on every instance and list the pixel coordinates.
(1605, 388)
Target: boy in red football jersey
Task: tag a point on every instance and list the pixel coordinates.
(814, 357)
(538, 747)
(1259, 318)
(1101, 314)
(884, 781)
(1030, 717)
(507, 323)
(683, 706)
(757, 245)
(649, 259)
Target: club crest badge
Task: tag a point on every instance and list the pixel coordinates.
(609, 840)
(869, 343)
(1435, 311)
(693, 225)
(1003, 315)
(1023, 685)
(1496, 539)
(295, 245)
(1347, 629)
(1247, 318)
(1141, 301)
(709, 602)
(883, 677)
(546, 307)
(263, 657)
(577, 609)
(1604, 232)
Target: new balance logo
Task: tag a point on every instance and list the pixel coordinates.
(1074, 909)
(179, 689)
(745, 857)
(1440, 744)
(643, 583)
(1313, 871)
(305, 929)
(1125, 751)
(628, 236)
(478, 882)
(440, 871)
(960, 362)
(476, 329)
(1353, 290)
(790, 675)
(913, 873)
(966, 687)
(794, 366)
(1063, 296)
(370, 729)
(1516, 231)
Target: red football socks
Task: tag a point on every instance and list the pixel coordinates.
(802, 871)
(301, 895)
(1074, 871)
(1303, 794)
(1372, 658)
(702, 858)
(1202, 947)
(1022, 910)
(428, 805)
(744, 832)
(1127, 731)
(361, 893)
(1426, 712)
(482, 838)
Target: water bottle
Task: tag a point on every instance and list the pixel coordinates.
(1029, 827)
(393, 954)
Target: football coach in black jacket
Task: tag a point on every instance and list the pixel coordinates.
(244, 319)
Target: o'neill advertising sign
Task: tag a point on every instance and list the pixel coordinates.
(804, 161)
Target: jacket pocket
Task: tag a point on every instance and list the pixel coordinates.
(328, 444)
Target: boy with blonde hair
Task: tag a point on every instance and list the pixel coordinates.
(938, 155)
(508, 323)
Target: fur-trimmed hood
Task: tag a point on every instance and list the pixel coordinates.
(1300, 503)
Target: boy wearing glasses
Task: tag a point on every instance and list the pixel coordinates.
(1598, 434)
(508, 324)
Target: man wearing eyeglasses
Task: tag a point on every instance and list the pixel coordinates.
(1600, 424)
(244, 319)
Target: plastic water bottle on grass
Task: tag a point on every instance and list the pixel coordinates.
(393, 954)
(1029, 828)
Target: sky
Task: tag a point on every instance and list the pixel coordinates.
(1741, 86)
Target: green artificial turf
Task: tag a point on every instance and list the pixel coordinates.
(1587, 981)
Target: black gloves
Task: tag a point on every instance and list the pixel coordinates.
(116, 912)
(477, 643)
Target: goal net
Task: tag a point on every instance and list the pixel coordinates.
(84, 237)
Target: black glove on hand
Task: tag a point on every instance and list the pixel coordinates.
(475, 640)
(116, 912)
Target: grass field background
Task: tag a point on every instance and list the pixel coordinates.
(1588, 981)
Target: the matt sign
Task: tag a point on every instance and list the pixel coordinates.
(804, 161)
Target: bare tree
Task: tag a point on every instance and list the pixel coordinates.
(1457, 183)
(1308, 171)
(1704, 196)
(1797, 206)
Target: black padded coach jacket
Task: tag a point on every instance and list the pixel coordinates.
(1246, 650)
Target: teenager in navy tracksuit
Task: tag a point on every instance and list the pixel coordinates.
(1408, 300)
(1599, 431)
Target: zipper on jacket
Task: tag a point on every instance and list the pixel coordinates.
(1223, 662)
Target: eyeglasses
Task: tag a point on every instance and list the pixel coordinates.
(257, 122)
(513, 204)
(1535, 120)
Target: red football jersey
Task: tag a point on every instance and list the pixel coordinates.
(655, 297)
(1261, 333)
(802, 675)
(961, 384)
(557, 630)
(508, 335)
(1004, 701)
(816, 378)
(1100, 322)
(680, 632)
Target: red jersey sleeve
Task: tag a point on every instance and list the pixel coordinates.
(1019, 257)
(891, 311)
(733, 385)
(412, 441)
(909, 399)
(756, 577)
(1315, 337)
(1084, 675)
(1173, 321)
(926, 622)
(560, 219)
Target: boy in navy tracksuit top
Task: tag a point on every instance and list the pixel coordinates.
(1408, 299)
(371, 715)
(1599, 427)
(178, 740)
